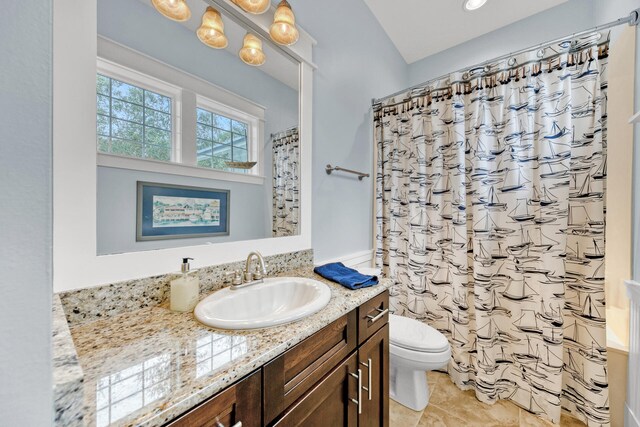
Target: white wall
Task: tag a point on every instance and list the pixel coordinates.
(25, 215)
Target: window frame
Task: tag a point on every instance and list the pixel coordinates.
(136, 78)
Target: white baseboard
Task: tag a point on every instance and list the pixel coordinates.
(356, 259)
(630, 420)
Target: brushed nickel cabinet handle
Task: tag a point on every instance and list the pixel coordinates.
(381, 314)
(369, 366)
(359, 400)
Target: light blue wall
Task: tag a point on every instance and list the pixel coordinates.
(138, 26)
(356, 60)
(25, 213)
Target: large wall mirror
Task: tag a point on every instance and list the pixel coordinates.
(218, 136)
(165, 147)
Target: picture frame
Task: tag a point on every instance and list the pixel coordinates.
(168, 211)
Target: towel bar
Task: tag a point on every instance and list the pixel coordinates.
(361, 175)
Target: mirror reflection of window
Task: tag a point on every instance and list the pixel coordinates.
(126, 391)
(133, 121)
(213, 351)
(221, 139)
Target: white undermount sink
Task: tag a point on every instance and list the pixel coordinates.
(274, 302)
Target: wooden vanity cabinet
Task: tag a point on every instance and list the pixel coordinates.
(237, 405)
(337, 377)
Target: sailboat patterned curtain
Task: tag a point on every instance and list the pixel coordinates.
(491, 216)
(286, 183)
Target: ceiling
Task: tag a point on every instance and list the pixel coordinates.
(420, 28)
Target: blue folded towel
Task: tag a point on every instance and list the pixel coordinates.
(347, 277)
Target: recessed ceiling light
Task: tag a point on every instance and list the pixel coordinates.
(473, 4)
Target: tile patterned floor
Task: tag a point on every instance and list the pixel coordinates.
(451, 407)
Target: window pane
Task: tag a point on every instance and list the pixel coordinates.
(103, 144)
(222, 150)
(103, 105)
(239, 155)
(221, 136)
(221, 122)
(157, 101)
(158, 152)
(219, 163)
(158, 119)
(204, 132)
(126, 92)
(103, 125)
(126, 148)
(205, 162)
(158, 137)
(127, 111)
(239, 127)
(240, 141)
(204, 117)
(204, 147)
(102, 84)
(126, 130)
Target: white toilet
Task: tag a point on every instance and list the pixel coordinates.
(414, 348)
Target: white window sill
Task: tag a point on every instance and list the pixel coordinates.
(121, 162)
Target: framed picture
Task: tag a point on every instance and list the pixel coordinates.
(177, 212)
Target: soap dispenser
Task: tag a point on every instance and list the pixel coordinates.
(185, 290)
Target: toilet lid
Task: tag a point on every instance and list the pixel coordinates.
(415, 335)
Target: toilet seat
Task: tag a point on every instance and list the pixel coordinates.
(415, 336)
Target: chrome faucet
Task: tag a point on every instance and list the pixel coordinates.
(240, 279)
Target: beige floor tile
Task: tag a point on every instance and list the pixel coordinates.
(401, 416)
(527, 419)
(435, 416)
(569, 421)
(464, 405)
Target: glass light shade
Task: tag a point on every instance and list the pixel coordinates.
(473, 4)
(211, 32)
(251, 52)
(283, 30)
(253, 6)
(178, 10)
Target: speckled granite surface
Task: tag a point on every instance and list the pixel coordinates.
(67, 373)
(147, 366)
(90, 304)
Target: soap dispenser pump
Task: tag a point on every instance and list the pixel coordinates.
(185, 290)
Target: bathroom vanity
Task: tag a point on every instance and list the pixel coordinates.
(150, 366)
(336, 377)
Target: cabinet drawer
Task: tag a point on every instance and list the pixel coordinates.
(372, 315)
(291, 375)
(237, 404)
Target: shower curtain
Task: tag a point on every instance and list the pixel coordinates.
(286, 183)
(490, 217)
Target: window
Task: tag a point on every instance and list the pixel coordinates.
(133, 121)
(220, 139)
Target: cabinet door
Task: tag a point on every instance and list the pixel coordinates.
(238, 405)
(333, 402)
(373, 360)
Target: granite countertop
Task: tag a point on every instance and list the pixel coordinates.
(147, 366)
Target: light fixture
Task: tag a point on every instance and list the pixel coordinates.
(283, 30)
(470, 5)
(211, 32)
(251, 52)
(178, 10)
(253, 6)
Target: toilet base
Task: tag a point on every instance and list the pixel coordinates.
(409, 387)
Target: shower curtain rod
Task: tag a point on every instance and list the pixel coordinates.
(632, 19)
